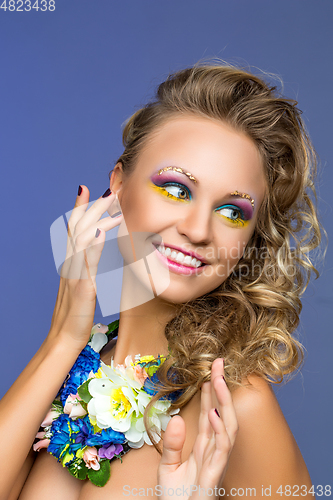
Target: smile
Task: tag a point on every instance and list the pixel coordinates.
(190, 266)
(179, 257)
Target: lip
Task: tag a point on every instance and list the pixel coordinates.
(185, 252)
(177, 268)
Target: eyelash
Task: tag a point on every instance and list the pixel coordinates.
(239, 221)
(180, 186)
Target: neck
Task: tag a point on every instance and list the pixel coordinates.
(141, 330)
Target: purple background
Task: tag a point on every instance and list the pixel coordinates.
(70, 78)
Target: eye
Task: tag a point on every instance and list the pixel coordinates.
(176, 191)
(233, 214)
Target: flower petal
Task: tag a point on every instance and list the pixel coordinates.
(100, 387)
(98, 341)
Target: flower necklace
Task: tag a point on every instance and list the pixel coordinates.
(97, 414)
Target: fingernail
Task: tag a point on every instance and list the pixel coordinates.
(223, 378)
(217, 413)
(79, 191)
(117, 214)
(98, 232)
(107, 193)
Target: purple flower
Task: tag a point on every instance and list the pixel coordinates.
(88, 437)
(110, 452)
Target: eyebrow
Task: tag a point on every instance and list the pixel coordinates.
(178, 169)
(193, 179)
(243, 195)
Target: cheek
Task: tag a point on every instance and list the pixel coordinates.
(231, 244)
(145, 208)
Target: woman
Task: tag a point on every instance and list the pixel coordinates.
(215, 180)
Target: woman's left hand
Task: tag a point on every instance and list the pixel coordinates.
(207, 464)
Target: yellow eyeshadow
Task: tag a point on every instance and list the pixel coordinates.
(234, 223)
(161, 190)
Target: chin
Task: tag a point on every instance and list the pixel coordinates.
(179, 293)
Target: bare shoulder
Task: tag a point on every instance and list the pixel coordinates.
(256, 400)
(265, 451)
(262, 425)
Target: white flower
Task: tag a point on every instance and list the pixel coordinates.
(98, 339)
(119, 401)
(114, 398)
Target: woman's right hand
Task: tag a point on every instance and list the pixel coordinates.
(73, 314)
(27, 401)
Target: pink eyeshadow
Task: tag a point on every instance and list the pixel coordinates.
(169, 176)
(244, 205)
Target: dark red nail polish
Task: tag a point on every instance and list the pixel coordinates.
(107, 193)
(223, 378)
(79, 191)
(98, 232)
(217, 413)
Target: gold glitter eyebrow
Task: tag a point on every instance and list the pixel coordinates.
(192, 178)
(177, 169)
(243, 195)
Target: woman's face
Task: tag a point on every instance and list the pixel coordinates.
(192, 209)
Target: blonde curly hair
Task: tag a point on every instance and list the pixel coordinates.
(250, 318)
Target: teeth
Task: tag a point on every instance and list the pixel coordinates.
(188, 260)
(179, 257)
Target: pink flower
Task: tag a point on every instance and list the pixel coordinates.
(41, 444)
(99, 328)
(49, 417)
(73, 407)
(91, 458)
(140, 374)
(128, 361)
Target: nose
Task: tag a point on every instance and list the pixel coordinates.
(197, 224)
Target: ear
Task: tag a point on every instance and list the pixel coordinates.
(116, 179)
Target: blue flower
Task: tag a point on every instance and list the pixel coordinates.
(87, 437)
(87, 361)
(106, 438)
(64, 431)
(152, 385)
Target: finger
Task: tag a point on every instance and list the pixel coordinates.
(79, 209)
(226, 407)
(81, 219)
(173, 442)
(80, 206)
(216, 372)
(88, 248)
(84, 233)
(205, 428)
(95, 212)
(214, 467)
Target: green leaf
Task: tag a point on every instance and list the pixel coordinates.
(83, 471)
(83, 392)
(84, 405)
(112, 326)
(78, 469)
(100, 477)
(120, 458)
(57, 406)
